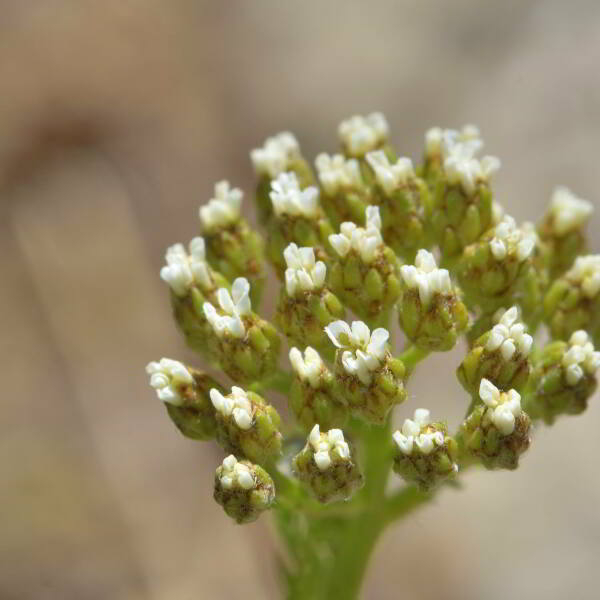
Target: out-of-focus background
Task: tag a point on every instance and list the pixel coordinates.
(116, 119)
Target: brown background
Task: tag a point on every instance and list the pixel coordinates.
(116, 118)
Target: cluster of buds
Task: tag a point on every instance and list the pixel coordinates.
(232, 247)
(395, 222)
(430, 310)
(326, 465)
(426, 454)
(370, 377)
(364, 271)
(564, 378)
(306, 305)
(500, 355)
(497, 431)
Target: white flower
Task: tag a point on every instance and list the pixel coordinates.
(365, 241)
(325, 444)
(222, 210)
(183, 270)
(288, 199)
(236, 474)
(567, 211)
(302, 273)
(361, 134)
(426, 277)
(508, 335)
(509, 238)
(411, 436)
(166, 377)
(443, 142)
(461, 167)
(308, 368)
(580, 358)
(586, 273)
(234, 308)
(336, 172)
(276, 154)
(503, 407)
(390, 176)
(235, 404)
(366, 352)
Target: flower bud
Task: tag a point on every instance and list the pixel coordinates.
(192, 282)
(500, 355)
(325, 464)
(364, 273)
(370, 377)
(279, 154)
(345, 193)
(185, 394)
(247, 347)
(297, 217)
(497, 431)
(314, 397)
(360, 135)
(243, 489)
(573, 301)
(402, 198)
(233, 248)
(564, 378)
(430, 311)
(306, 305)
(426, 454)
(247, 425)
(495, 270)
(562, 229)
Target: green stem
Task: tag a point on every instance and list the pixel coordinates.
(412, 356)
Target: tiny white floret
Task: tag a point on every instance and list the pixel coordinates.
(288, 199)
(236, 405)
(326, 444)
(414, 434)
(365, 241)
(585, 272)
(184, 270)
(581, 358)
(361, 134)
(236, 474)
(166, 377)
(275, 155)
(337, 173)
(390, 176)
(425, 277)
(508, 335)
(309, 367)
(234, 305)
(222, 210)
(567, 211)
(303, 273)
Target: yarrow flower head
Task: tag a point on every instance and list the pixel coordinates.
(303, 273)
(567, 211)
(222, 210)
(444, 142)
(243, 489)
(364, 241)
(166, 377)
(503, 408)
(367, 350)
(289, 199)
(411, 437)
(275, 155)
(234, 305)
(184, 270)
(509, 239)
(237, 405)
(388, 175)
(336, 173)
(581, 358)
(586, 274)
(425, 277)
(360, 134)
(508, 335)
(310, 367)
(327, 445)
(461, 168)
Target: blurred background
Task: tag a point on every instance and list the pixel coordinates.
(116, 119)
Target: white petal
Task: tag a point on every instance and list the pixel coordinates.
(488, 392)
(322, 460)
(335, 330)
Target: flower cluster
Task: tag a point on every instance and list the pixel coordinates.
(360, 134)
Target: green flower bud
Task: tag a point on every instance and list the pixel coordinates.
(562, 229)
(185, 393)
(364, 273)
(325, 464)
(402, 198)
(426, 454)
(345, 192)
(243, 489)
(496, 270)
(500, 355)
(247, 347)
(247, 425)
(573, 301)
(233, 248)
(192, 282)
(430, 311)
(279, 154)
(297, 217)
(461, 209)
(497, 431)
(564, 378)
(370, 377)
(305, 304)
(314, 397)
